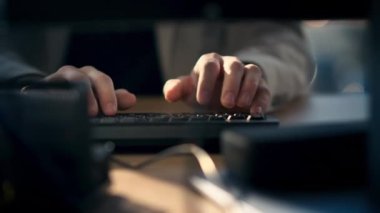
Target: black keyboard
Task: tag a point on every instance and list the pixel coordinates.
(172, 125)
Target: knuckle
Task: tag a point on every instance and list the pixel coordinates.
(233, 58)
(209, 56)
(253, 68)
(211, 67)
(71, 74)
(212, 55)
(95, 74)
(103, 77)
(89, 68)
(203, 58)
(235, 66)
(66, 68)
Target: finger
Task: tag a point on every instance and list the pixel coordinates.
(208, 69)
(71, 73)
(93, 108)
(178, 89)
(250, 82)
(125, 99)
(233, 74)
(104, 89)
(262, 99)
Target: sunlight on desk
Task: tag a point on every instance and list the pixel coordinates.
(158, 195)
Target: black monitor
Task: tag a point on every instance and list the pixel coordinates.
(42, 11)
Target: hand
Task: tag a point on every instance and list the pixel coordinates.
(221, 83)
(102, 96)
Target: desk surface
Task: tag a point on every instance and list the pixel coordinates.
(162, 187)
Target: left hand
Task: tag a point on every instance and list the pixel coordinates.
(102, 97)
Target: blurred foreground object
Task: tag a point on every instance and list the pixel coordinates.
(47, 161)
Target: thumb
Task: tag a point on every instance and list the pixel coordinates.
(178, 89)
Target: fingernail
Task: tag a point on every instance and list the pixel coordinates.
(229, 99)
(257, 110)
(110, 109)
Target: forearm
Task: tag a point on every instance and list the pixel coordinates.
(14, 71)
(283, 54)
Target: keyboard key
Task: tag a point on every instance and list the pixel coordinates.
(199, 117)
(142, 119)
(239, 116)
(180, 117)
(108, 120)
(219, 117)
(159, 117)
(126, 119)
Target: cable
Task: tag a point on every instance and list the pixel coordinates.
(208, 186)
(205, 162)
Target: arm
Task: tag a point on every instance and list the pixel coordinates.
(282, 52)
(101, 93)
(13, 70)
(101, 97)
(266, 64)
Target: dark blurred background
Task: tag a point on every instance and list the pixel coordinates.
(84, 10)
(340, 49)
(100, 33)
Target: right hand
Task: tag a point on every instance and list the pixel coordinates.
(221, 83)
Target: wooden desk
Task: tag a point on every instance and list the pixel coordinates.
(162, 187)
